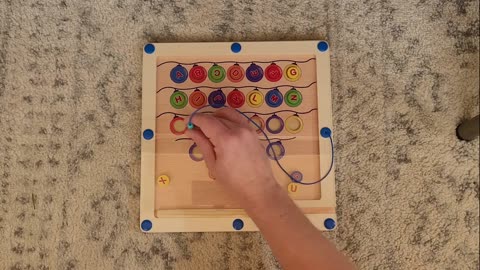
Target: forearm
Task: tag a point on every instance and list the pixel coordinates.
(295, 242)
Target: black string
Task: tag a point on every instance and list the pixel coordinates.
(235, 87)
(235, 62)
(258, 113)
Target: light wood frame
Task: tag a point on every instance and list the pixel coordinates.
(204, 220)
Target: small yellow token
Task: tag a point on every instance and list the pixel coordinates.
(294, 124)
(292, 187)
(163, 180)
(255, 98)
(293, 72)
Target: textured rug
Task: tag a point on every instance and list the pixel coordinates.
(404, 74)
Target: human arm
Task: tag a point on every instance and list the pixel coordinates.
(231, 146)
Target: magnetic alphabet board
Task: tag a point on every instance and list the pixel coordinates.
(284, 87)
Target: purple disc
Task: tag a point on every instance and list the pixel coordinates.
(272, 155)
(254, 73)
(297, 176)
(217, 99)
(192, 156)
(278, 129)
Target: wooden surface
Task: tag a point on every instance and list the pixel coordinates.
(191, 193)
(172, 157)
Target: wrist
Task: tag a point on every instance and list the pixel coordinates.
(266, 197)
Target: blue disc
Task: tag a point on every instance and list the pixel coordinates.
(237, 224)
(236, 47)
(329, 223)
(146, 225)
(254, 73)
(217, 99)
(149, 48)
(325, 132)
(274, 98)
(148, 134)
(179, 74)
(322, 46)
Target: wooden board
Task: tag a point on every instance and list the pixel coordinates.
(192, 201)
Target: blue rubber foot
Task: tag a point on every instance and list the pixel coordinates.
(146, 225)
(190, 126)
(329, 223)
(148, 134)
(325, 132)
(236, 47)
(322, 46)
(149, 48)
(238, 224)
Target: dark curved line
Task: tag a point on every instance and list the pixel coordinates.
(235, 87)
(235, 62)
(278, 139)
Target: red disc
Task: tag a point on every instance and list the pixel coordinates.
(197, 74)
(236, 99)
(197, 99)
(177, 125)
(235, 73)
(273, 72)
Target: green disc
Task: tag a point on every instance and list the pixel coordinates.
(216, 73)
(178, 99)
(293, 97)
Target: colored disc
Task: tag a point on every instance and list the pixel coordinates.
(273, 72)
(297, 176)
(275, 150)
(260, 123)
(216, 73)
(195, 153)
(236, 99)
(274, 124)
(178, 99)
(255, 98)
(179, 74)
(294, 124)
(197, 99)
(293, 97)
(293, 72)
(163, 180)
(197, 74)
(216, 99)
(178, 125)
(254, 73)
(235, 73)
(274, 98)
(292, 187)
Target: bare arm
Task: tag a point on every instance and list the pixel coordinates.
(230, 146)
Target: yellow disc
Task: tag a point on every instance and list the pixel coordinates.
(163, 180)
(294, 124)
(255, 98)
(292, 188)
(293, 72)
(197, 154)
(180, 126)
(260, 123)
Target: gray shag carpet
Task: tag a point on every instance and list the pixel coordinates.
(404, 74)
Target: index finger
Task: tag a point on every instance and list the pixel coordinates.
(211, 126)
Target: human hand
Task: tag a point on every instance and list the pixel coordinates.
(233, 154)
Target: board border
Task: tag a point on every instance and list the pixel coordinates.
(210, 220)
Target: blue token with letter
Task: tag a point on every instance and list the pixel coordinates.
(179, 74)
(274, 98)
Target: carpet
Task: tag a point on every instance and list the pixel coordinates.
(404, 75)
